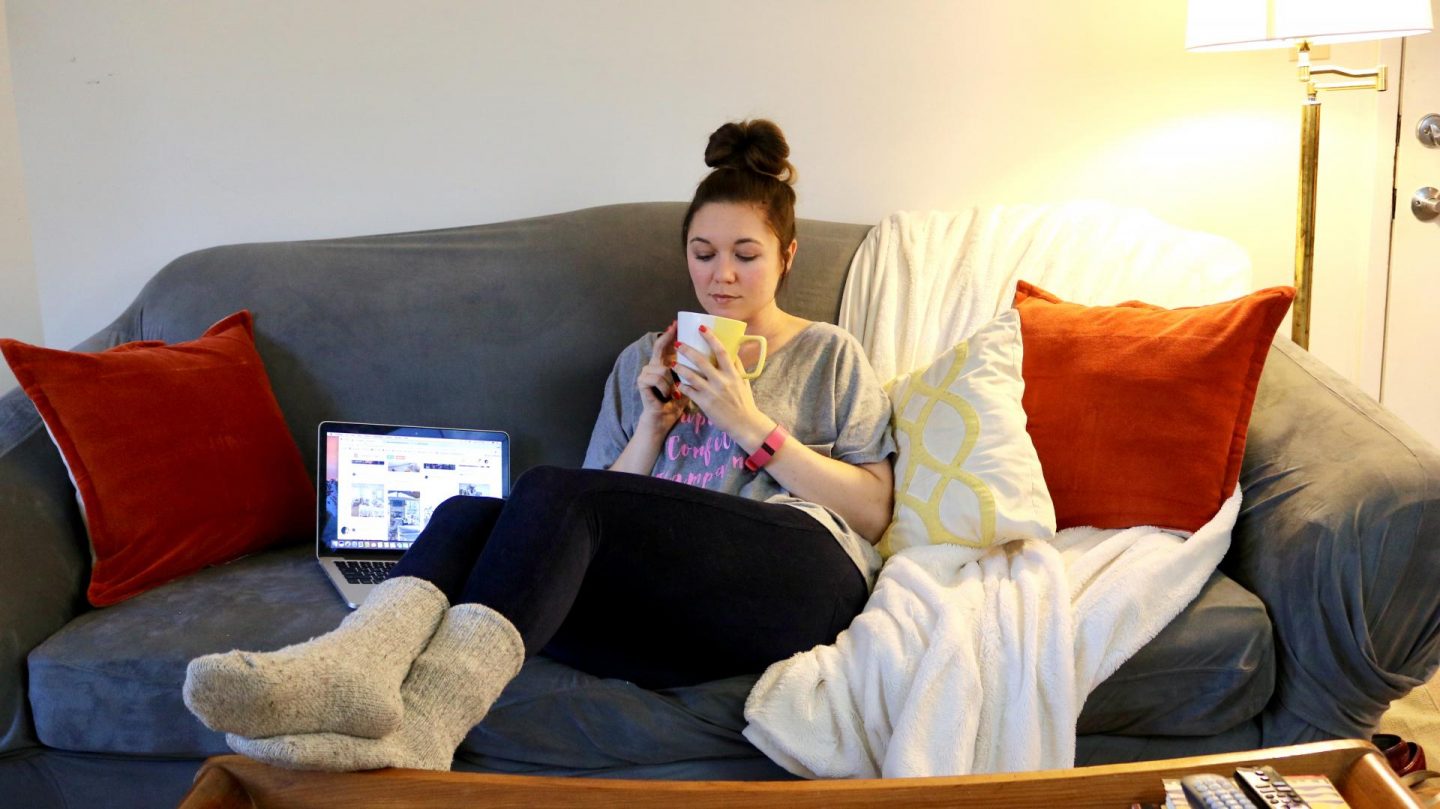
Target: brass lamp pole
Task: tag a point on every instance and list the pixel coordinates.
(1370, 79)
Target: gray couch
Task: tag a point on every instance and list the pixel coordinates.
(1326, 608)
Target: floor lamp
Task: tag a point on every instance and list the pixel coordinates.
(1219, 25)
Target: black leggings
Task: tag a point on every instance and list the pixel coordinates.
(640, 578)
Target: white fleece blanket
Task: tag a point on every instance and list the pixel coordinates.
(923, 281)
(961, 665)
(966, 661)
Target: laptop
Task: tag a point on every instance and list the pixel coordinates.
(379, 484)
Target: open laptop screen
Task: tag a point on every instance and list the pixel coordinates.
(380, 483)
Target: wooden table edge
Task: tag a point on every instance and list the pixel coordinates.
(227, 782)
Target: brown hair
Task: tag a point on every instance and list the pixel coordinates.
(750, 165)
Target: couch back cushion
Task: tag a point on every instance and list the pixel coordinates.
(510, 326)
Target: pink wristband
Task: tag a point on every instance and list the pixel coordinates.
(772, 444)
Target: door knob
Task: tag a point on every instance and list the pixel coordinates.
(1426, 204)
(1428, 130)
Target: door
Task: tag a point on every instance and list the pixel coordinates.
(1410, 370)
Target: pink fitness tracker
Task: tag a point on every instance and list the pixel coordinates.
(772, 443)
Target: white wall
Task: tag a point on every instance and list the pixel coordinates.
(19, 302)
(150, 128)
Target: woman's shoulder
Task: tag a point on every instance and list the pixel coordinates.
(831, 347)
(828, 337)
(829, 331)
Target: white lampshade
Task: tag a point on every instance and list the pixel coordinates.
(1216, 25)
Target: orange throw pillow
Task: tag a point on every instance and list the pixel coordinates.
(1139, 413)
(179, 453)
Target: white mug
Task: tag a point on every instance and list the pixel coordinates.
(731, 334)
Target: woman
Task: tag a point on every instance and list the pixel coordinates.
(726, 547)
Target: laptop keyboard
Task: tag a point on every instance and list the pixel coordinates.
(364, 572)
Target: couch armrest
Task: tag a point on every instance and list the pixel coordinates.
(1340, 537)
(44, 552)
(43, 548)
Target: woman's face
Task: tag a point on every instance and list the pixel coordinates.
(735, 259)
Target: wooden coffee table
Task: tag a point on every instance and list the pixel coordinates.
(1356, 768)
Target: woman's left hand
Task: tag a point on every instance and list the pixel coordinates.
(721, 390)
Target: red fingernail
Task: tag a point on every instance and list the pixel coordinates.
(678, 344)
(675, 394)
(702, 328)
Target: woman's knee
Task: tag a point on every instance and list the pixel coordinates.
(461, 510)
(553, 484)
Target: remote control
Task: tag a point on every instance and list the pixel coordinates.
(1211, 791)
(1268, 788)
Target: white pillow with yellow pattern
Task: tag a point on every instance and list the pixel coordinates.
(967, 473)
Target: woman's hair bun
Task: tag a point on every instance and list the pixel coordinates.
(756, 145)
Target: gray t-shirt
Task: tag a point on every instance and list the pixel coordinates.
(819, 385)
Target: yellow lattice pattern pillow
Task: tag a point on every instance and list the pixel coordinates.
(967, 472)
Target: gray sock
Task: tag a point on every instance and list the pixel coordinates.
(451, 687)
(346, 681)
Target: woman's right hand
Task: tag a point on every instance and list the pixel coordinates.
(661, 397)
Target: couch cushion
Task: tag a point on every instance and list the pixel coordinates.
(553, 716)
(1210, 669)
(109, 682)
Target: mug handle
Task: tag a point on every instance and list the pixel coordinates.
(760, 364)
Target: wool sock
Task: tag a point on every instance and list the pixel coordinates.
(347, 680)
(451, 687)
